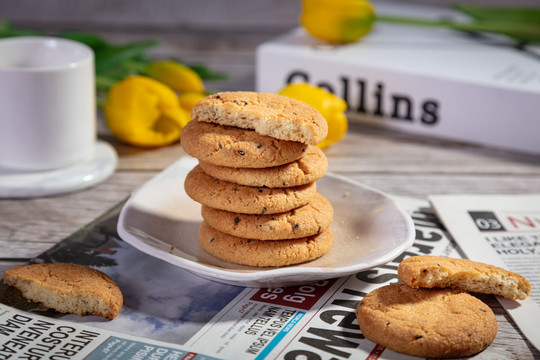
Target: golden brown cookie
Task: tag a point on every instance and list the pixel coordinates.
(431, 323)
(68, 288)
(435, 271)
(234, 147)
(268, 114)
(304, 221)
(232, 197)
(311, 167)
(263, 253)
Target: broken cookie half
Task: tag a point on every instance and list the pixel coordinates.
(68, 288)
(434, 271)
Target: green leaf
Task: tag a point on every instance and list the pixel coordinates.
(208, 74)
(501, 14)
(104, 83)
(8, 30)
(110, 56)
(93, 41)
(203, 71)
(126, 68)
(521, 32)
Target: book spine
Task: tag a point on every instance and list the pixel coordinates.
(437, 107)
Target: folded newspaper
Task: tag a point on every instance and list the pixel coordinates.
(170, 313)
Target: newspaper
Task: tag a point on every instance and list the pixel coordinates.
(170, 313)
(503, 230)
(33, 337)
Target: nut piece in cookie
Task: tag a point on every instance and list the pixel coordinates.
(435, 271)
(430, 323)
(68, 288)
(268, 114)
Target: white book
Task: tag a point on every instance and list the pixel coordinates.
(429, 81)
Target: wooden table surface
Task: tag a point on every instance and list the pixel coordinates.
(395, 163)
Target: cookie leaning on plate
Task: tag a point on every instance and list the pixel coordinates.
(432, 323)
(232, 197)
(435, 271)
(309, 168)
(68, 288)
(263, 253)
(237, 148)
(304, 221)
(268, 114)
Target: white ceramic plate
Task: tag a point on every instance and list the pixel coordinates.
(369, 230)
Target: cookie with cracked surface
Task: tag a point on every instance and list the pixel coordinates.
(261, 253)
(304, 221)
(68, 288)
(237, 148)
(228, 196)
(268, 114)
(309, 168)
(430, 323)
(436, 271)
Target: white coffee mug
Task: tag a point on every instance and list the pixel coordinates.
(47, 103)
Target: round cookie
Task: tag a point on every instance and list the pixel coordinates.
(224, 195)
(429, 323)
(238, 148)
(68, 288)
(304, 221)
(263, 253)
(436, 271)
(268, 114)
(311, 167)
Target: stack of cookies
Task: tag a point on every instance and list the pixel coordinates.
(256, 178)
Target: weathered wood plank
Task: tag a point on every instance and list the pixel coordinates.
(51, 219)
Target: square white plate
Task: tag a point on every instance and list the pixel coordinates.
(369, 228)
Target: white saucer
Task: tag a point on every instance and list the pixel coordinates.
(90, 171)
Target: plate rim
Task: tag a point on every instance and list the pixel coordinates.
(244, 278)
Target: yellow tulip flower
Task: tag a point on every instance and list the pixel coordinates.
(189, 99)
(332, 107)
(177, 76)
(337, 21)
(144, 112)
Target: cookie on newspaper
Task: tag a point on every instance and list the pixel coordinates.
(224, 195)
(435, 271)
(68, 288)
(304, 221)
(311, 167)
(263, 253)
(237, 148)
(429, 323)
(268, 114)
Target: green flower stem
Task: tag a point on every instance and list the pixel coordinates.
(520, 31)
(104, 83)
